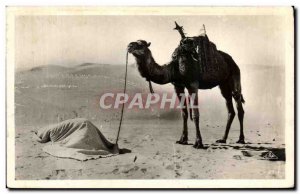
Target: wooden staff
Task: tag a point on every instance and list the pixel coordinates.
(180, 30)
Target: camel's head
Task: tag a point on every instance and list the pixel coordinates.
(138, 48)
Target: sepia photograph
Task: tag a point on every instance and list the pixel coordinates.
(150, 97)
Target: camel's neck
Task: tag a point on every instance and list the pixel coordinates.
(150, 70)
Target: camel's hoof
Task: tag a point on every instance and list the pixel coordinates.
(182, 142)
(221, 141)
(198, 145)
(241, 141)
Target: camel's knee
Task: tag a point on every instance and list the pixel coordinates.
(231, 115)
(196, 119)
(195, 112)
(236, 95)
(196, 115)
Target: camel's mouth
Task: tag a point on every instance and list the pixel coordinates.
(132, 47)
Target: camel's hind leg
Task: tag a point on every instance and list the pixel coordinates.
(226, 93)
(234, 83)
(241, 113)
(181, 96)
(238, 97)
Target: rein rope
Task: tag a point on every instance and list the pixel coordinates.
(150, 87)
(122, 110)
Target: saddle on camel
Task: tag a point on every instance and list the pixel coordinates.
(204, 52)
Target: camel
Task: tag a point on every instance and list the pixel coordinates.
(183, 72)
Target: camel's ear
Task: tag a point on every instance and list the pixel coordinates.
(148, 44)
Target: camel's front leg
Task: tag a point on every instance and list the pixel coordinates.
(193, 92)
(181, 96)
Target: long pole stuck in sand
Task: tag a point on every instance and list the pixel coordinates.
(122, 110)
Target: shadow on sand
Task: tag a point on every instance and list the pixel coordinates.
(261, 151)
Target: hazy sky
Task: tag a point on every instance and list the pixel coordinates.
(72, 40)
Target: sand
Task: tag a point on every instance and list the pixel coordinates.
(46, 96)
